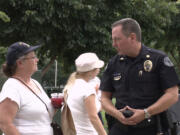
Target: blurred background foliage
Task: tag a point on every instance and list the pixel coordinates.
(67, 28)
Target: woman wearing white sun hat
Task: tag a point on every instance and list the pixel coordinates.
(82, 99)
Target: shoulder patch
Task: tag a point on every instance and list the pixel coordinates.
(167, 62)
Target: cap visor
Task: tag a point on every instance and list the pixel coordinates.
(32, 48)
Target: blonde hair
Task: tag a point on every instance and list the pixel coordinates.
(72, 78)
(70, 81)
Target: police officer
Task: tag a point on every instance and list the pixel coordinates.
(143, 81)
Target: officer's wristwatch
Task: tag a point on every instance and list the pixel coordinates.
(146, 114)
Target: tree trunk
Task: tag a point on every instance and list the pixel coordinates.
(44, 71)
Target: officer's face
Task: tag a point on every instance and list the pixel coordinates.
(119, 41)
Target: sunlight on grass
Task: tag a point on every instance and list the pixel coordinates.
(104, 120)
(104, 117)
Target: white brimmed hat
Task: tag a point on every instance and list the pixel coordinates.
(87, 62)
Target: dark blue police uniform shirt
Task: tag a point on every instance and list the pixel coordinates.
(139, 82)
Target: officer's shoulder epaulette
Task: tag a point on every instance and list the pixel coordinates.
(114, 58)
(155, 51)
(112, 61)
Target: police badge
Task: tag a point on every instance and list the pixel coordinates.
(148, 65)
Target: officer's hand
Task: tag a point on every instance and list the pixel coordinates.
(137, 117)
(120, 116)
(123, 109)
(123, 119)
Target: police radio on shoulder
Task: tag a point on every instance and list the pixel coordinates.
(147, 114)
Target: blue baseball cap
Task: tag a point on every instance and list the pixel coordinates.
(18, 49)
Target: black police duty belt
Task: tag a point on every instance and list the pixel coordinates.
(143, 124)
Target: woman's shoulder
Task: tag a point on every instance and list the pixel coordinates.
(11, 82)
(82, 84)
(11, 86)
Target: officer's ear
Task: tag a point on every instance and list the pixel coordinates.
(132, 36)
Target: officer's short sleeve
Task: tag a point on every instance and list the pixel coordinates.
(106, 81)
(168, 75)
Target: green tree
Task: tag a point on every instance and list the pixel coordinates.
(4, 17)
(170, 40)
(2, 54)
(67, 28)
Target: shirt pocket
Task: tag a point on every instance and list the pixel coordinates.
(148, 84)
(118, 82)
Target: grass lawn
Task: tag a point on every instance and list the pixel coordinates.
(104, 120)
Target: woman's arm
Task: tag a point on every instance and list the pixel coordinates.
(93, 116)
(8, 110)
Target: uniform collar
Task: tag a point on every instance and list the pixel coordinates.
(141, 53)
(144, 54)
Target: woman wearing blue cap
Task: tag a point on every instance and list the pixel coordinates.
(25, 109)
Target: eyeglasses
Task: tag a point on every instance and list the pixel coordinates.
(33, 57)
(116, 39)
